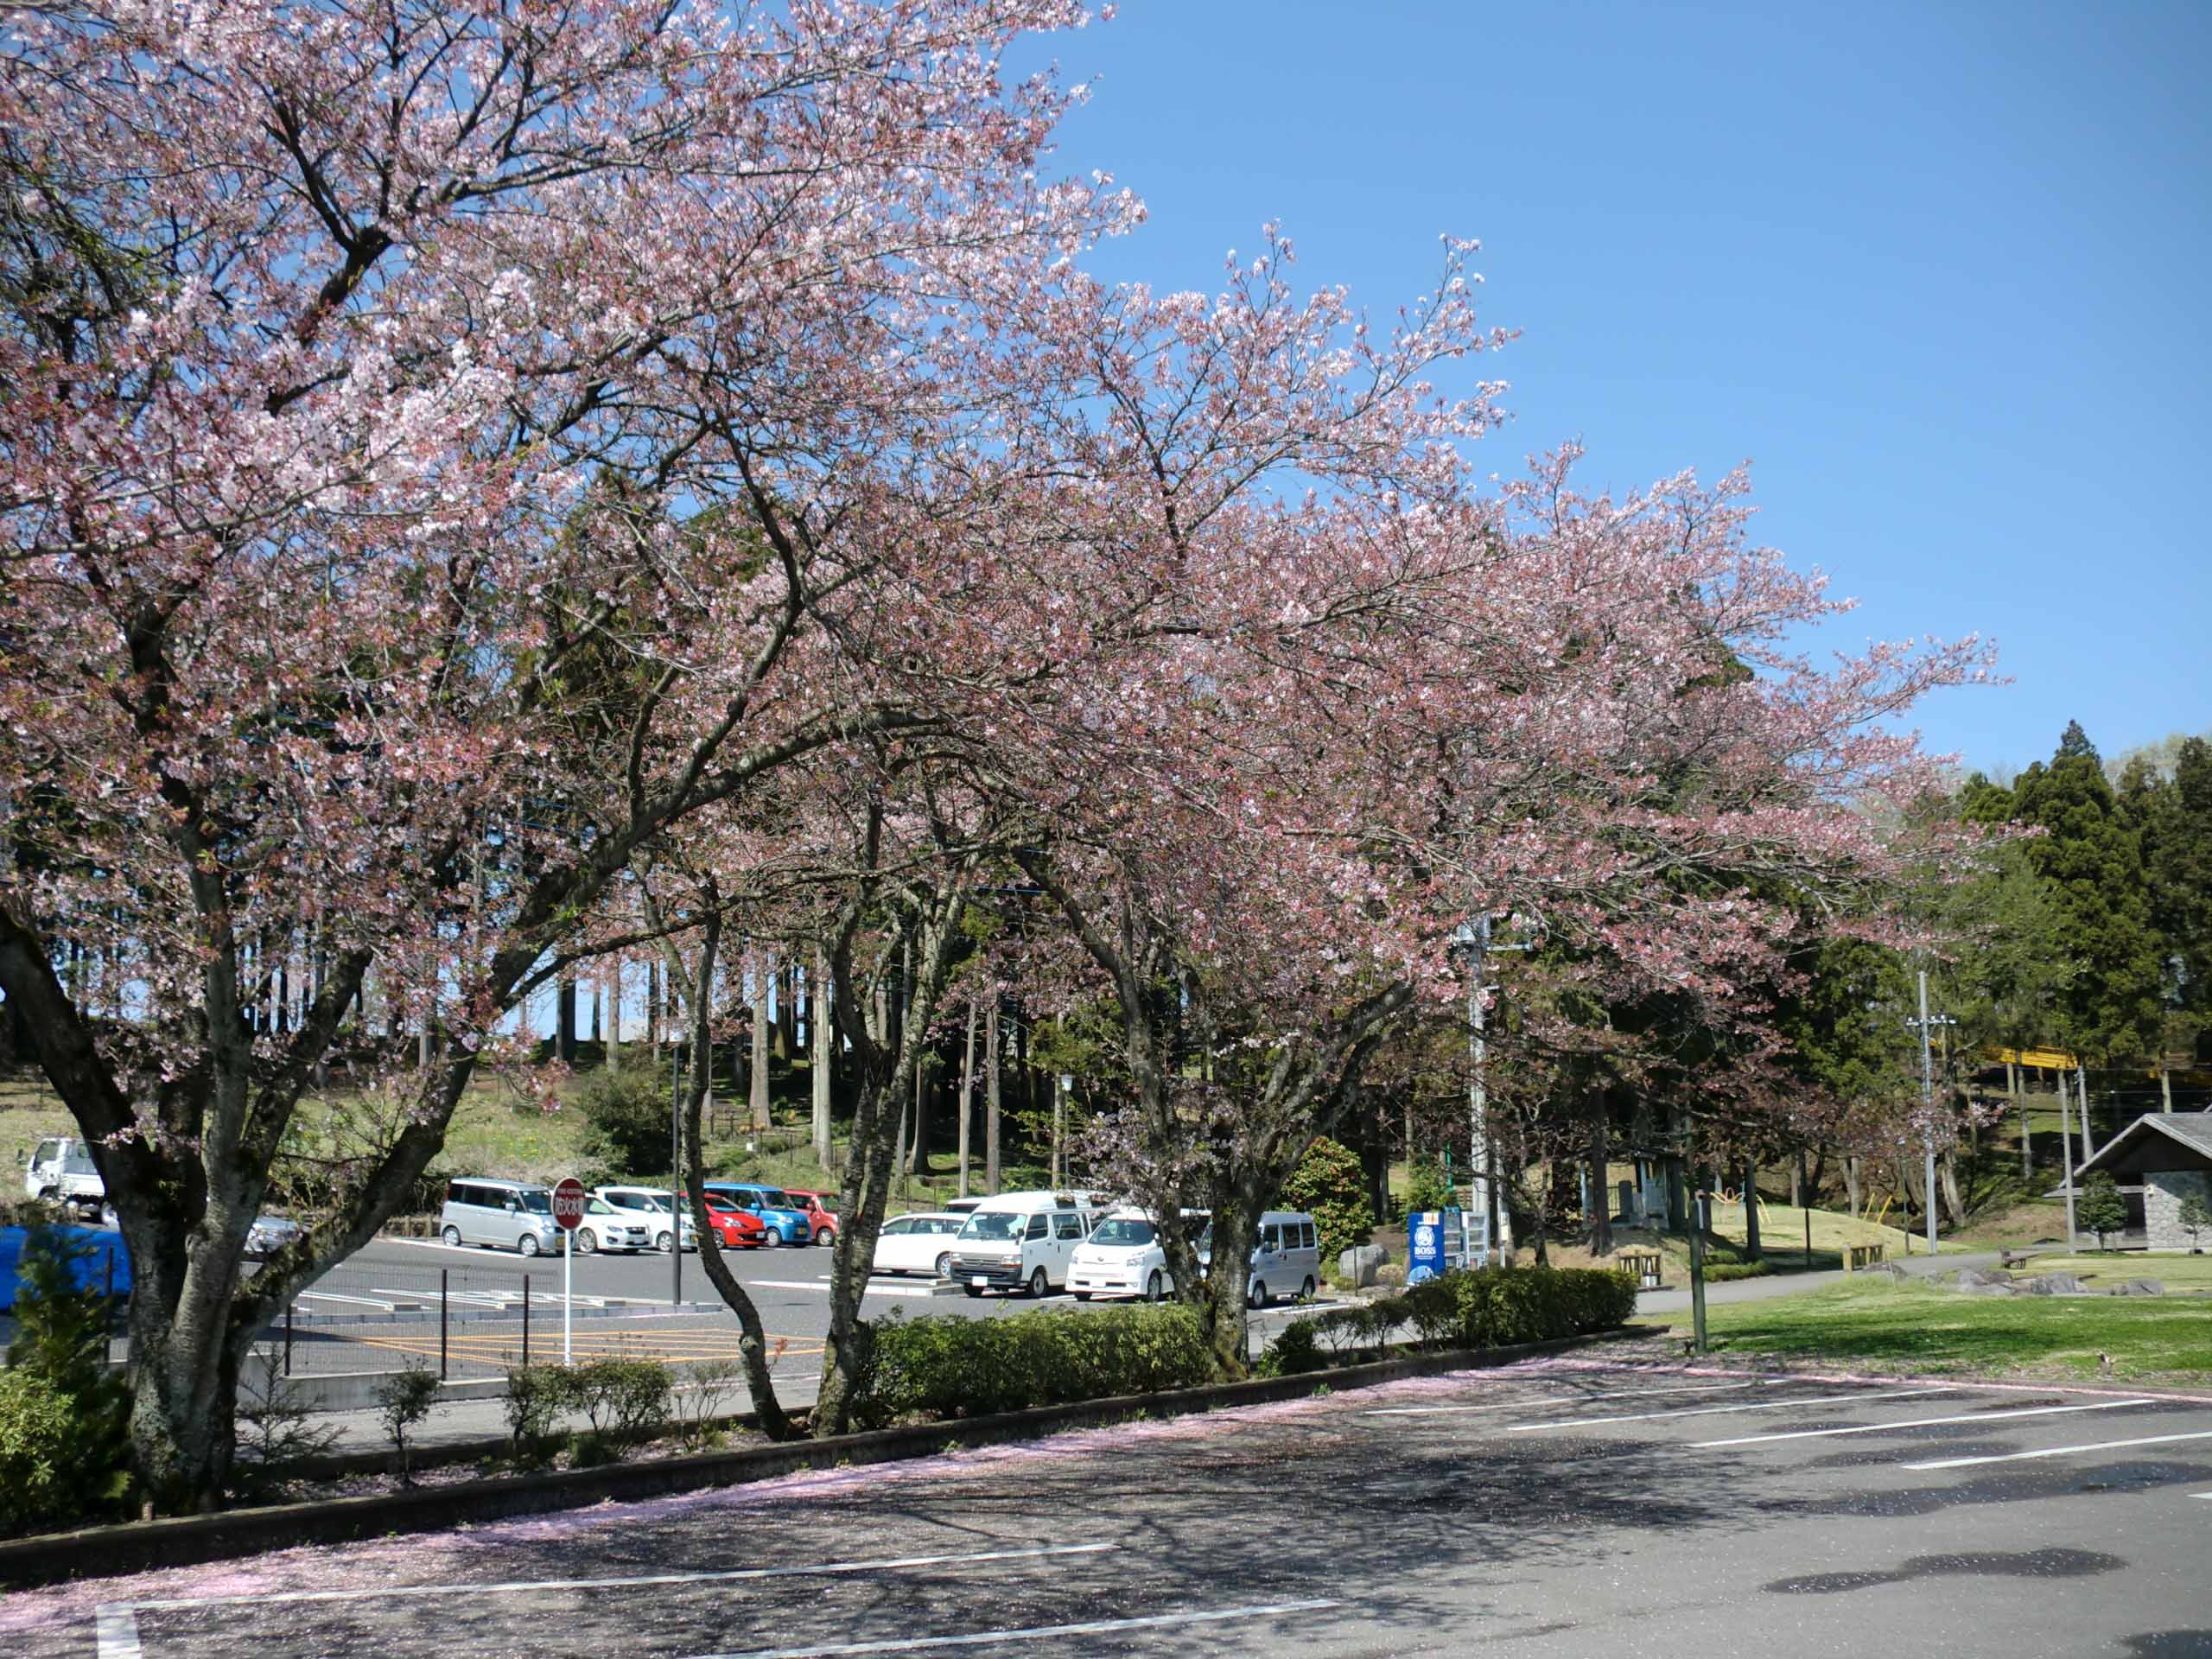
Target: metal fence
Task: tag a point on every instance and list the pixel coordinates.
(460, 1321)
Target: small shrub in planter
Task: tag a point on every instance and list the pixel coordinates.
(404, 1399)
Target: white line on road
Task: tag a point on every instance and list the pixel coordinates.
(508, 1586)
(1921, 1422)
(116, 1628)
(979, 1638)
(2061, 1451)
(1865, 1396)
(1574, 1399)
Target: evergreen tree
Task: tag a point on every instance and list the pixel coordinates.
(2179, 857)
(2090, 859)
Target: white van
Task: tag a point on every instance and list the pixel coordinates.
(1020, 1241)
(506, 1215)
(1286, 1261)
(60, 1170)
(1123, 1256)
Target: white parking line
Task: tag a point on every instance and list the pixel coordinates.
(1867, 1396)
(116, 1624)
(1575, 1399)
(1921, 1422)
(979, 1638)
(2061, 1451)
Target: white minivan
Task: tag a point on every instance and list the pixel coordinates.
(1285, 1259)
(1123, 1256)
(506, 1215)
(1020, 1241)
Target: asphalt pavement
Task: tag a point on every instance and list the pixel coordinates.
(1564, 1507)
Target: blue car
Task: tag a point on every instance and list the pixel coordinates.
(787, 1222)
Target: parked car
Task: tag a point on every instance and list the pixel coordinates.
(268, 1235)
(1123, 1256)
(60, 1170)
(650, 1206)
(819, 1215)
(921, 1242)
(1286, 1261)
(605, 1228)
(735, 1226)
(1020, 1241)
(787, 1222)
(504, 1215)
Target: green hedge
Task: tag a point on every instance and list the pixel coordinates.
(944, 1365)
(1490, 1307)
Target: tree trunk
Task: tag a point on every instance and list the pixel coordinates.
(821, 1025)
(1947, 1167)
(753, 1338)
(1852, 1194)
(2081, 1100)
(2020, 1118)
(1601, 1206)
(614, 1009)
(967, 1093)
(1752, 1208)
(2165, 1085)
(991, 1097)
(757, 1099)
(564, 1019)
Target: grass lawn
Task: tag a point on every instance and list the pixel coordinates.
(1887, 1326)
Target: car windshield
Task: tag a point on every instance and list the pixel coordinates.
(538, 1203)
(995, 1224)
(77, 1163)
(768, 1197)
(656, 1202)
(598, 1207)
(1124, 1230)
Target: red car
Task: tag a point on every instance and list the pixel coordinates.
(735, 1228)
(819, 1216)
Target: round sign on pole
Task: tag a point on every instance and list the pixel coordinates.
(568, 1203)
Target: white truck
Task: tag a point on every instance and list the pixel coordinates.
(60, 1170)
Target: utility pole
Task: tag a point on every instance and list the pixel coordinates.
(674, 1170)
(1482, 1163)
(1928, 1096)
(2066, 1157)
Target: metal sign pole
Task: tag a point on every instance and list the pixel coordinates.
(568, 1290)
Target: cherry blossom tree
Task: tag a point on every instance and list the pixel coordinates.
(430, 445)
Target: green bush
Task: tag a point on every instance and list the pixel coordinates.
(624, 1110)
(64, 1417)
(1426, 1187)
(1329, 1183)
(2100, 1209)
(1720, 1273)
(1489, 1307)
(405, 1399)
(943, 1365)
(624, 1400)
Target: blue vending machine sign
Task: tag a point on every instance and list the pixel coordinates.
(1435, 1242)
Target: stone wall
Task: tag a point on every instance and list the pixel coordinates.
(2162, 1191)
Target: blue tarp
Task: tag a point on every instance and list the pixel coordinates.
(101, 1253)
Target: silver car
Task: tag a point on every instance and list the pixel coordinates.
(504, 1215)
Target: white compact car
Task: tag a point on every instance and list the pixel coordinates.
(918, 1244)
(649, 1206)
(605, 1228)
(1122, 1257)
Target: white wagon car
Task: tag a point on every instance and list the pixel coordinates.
(648, 1207)
(918, 1244)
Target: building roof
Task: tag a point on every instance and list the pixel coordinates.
(2139, 1146)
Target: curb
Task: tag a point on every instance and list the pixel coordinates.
(182, 1541)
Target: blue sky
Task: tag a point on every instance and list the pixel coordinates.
(1939, 272)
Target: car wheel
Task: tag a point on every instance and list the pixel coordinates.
(665, 1244)
(1259, 1295)
(1305, 1290)
(586, 1242)
(527, 1245)
(769, 1239)
(826, 1237)
(945, 1266)
(1039, 1284)
(1152, 1286)
(973, 1290)
(452, 1236)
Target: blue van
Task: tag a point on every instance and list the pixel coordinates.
(787, 1220)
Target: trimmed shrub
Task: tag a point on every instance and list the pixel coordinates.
(405, 1399)
(1490, 1307)
(943, 1365)
(1329, 1183)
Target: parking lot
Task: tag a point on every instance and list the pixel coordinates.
(1555, 1508)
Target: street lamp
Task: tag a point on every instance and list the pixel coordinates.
(1925, 1023)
